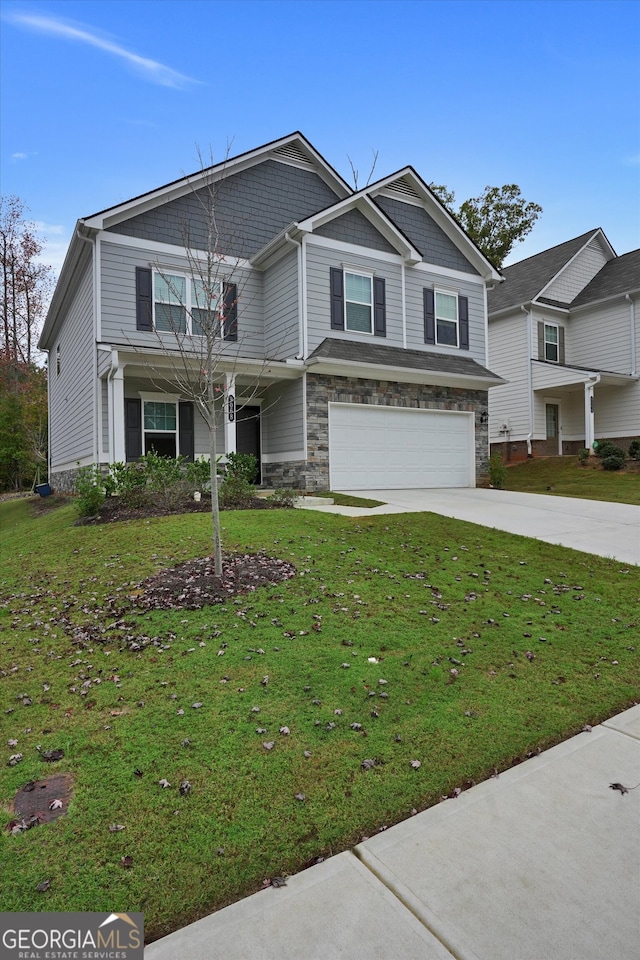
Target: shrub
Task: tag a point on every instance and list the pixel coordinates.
(235, 492)
(242, 465)
(634, 449)
(583, 455)
(129, 483)
(613, 462)
(198, 475)
(604, 448)
(90, 492)
(282, 498)
(497, 471)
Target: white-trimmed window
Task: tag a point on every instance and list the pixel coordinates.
(551, 342)
(358, 302)
(160, 427)
(446, 310)
(181, 304)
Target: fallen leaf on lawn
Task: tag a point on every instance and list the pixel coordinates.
(12, 743)
(345, 666)
(137, 772)
(196, 706)
(116, 827)
(278, 882)
(269, 746)
(185, 788)
(285, 731)
(180, 713)
(186, 742)
(52, 755)
(307, 754)
(300, 796)
(44, 886)
(126, 862)
(116, 713)
(416, 764)
(164, 783)
(55, 805)
(14, 759)
(368, 764)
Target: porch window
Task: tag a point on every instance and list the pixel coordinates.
(160, 428)
(551, 342)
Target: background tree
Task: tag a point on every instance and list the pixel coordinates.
(23, 423)
(496, 220)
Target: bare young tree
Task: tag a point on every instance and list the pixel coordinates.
(196, 320)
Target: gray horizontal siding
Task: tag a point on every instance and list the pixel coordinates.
(353, 227)
(118, 300)
(133, 387)
(71, 392)
(433, 243)
(251, 207)
(319, 261)
(281, 311)
(283, 418)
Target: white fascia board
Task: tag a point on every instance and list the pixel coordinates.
(374, 215)
(192, 182)
(347, 368)
(433, 268)
(442, 217)
(165, 360)
(169, 249)
(549, 308)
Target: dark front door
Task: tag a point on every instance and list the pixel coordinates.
(248, 434)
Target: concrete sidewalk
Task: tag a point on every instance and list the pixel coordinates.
(594, 526)
(541, 863)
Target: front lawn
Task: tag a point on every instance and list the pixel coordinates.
(566, 477)
(402, 638)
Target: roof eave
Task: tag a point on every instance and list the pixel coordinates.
(371, 371)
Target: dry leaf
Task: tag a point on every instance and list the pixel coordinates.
(164, 783)
(55, 805)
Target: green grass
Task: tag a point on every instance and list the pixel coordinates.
(347, 500)
(413, 591)
(565, 477)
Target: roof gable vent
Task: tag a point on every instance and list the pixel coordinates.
(292, 153)
(403, 186)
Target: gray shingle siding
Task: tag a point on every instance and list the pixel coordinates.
(433, 243)
(252, 207)
(353, 227)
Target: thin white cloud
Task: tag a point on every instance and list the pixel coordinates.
(632, 161)
(50, 229)
(19, 156)
(153, 70)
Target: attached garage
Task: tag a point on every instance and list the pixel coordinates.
(380, 447)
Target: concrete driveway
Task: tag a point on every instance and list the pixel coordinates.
(606, 529)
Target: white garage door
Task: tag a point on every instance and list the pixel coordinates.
(377, 448)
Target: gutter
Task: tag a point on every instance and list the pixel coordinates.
(528, 313)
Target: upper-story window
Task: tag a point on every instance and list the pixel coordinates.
(358, 302)
(446, 319)
(179, 304)
(551, 342)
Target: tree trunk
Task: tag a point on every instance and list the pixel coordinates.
(213, 455)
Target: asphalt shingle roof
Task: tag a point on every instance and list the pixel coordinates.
(524, 280)
(379, 354)
(618, 276)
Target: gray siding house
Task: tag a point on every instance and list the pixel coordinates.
(564, 334)
(353, 328)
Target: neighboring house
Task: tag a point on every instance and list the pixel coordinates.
(564, 332)
(353, 343)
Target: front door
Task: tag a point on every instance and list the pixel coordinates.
(248, 434)
(553, 429)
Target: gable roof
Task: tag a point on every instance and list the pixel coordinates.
(619, 276)
(526, 279)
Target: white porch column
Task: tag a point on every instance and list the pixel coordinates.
(230, 413)
(117, 452)
(589, 415)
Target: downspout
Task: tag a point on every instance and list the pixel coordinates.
(404, 305)
(632, 327)
(529, 317)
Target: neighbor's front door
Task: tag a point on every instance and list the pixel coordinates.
(553, 429)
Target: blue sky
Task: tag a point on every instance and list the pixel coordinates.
(104, 101)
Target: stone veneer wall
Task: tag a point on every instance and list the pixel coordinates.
(516, 450)
(322, 390)
(63, 481)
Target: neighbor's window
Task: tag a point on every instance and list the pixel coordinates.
(160, 428)
(551, 342)
(358, 302)
(446, 306)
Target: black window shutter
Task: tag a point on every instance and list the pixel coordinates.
(429, 316)
(144, 304)
(337, 298)
(133, 429)
(463, 322)
(186, 428)
(379, 307)
(541, 355)
(230, 301)
(560, 344)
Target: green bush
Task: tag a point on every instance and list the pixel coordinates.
(198, 474)
(282, 498)
(497, 471)
(583, 455)
(613, 461)
(606, 448)
(129, 482)
(634, 449)
(90, 491)
(242, 465)
(235, 492)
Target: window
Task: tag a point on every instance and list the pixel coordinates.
(159, 427)
(447, 319)
(181, 305)
(358, 302)
(551, 342)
